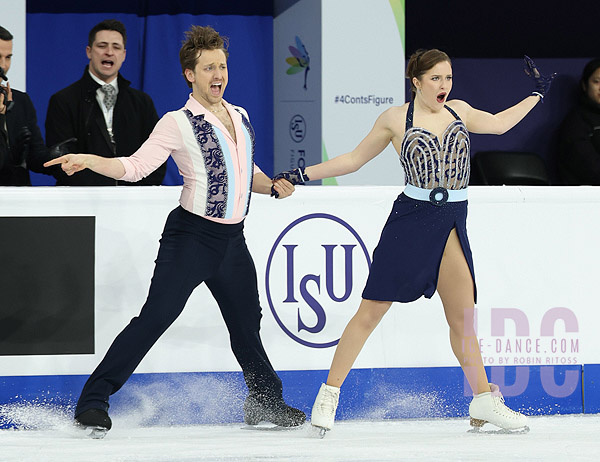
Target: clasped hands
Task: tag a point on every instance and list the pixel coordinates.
(296, 176)
(281, 188)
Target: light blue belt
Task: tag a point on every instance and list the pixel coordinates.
(437, 196)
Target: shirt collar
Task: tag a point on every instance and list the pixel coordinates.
(197, 108)
(102, 83)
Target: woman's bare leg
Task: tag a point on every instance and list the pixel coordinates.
(354, 337)
(455, 286)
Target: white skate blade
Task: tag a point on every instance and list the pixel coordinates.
(318, 432)
(95, 433)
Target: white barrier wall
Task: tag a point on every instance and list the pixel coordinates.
(536, 261)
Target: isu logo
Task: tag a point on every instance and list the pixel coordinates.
(324, 264)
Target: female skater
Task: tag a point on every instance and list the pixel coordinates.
(427, 226)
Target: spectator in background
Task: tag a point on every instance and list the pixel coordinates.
(579, 136)
(21, 144)
(101, 113)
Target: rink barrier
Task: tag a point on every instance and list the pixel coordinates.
(368, 394)
(531, 304)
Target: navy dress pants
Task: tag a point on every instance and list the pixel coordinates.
(192, 250)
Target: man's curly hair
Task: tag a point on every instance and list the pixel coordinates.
(199, 38)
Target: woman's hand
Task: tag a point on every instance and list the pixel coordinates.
(542, 82)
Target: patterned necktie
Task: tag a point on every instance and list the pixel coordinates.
(110, 96)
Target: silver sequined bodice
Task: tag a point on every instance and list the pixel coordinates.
(429, 162)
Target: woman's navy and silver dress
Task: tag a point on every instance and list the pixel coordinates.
(407, 259)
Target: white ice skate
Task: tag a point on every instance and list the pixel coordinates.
(489, 407)
(323, 411)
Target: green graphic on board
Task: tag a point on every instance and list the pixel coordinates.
(399, 14)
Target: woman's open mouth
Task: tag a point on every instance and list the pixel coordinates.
(441, 97)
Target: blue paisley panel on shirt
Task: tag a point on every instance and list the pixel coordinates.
(250, 130)
(214, 162)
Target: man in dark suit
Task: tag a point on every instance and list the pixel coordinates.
(101, 113)
(21, 144)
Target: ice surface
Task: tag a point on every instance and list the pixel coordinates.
(52, 438)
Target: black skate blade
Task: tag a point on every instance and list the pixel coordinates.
(499, 431)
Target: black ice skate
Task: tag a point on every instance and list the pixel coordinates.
(275, 411)
(96, 421)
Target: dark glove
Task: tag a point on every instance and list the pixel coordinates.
(21, 147)
(296, 176)
(542, 82)
(64, 147)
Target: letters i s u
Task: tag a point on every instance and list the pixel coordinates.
(310, 300)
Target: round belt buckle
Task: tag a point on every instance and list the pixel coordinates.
(438, 196)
